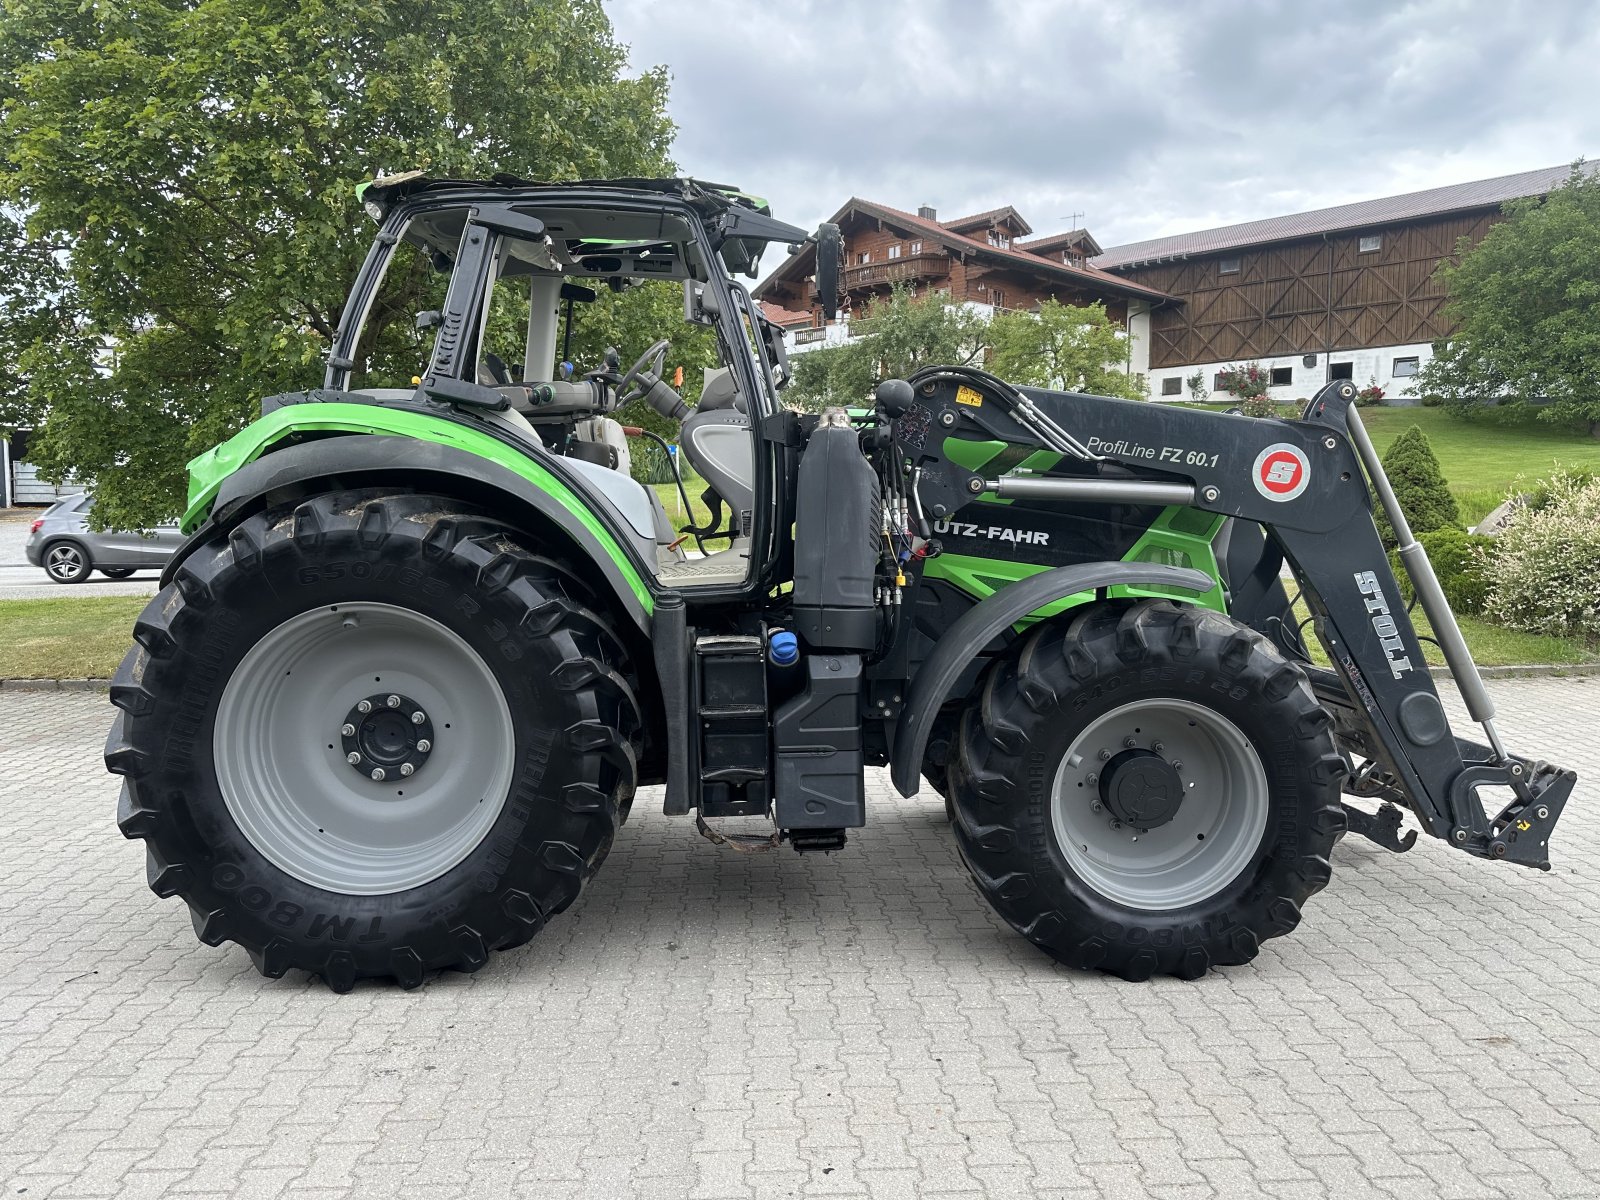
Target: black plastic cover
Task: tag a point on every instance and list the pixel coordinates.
(838, 531)
(820, 784)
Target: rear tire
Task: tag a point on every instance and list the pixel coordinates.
(305, 859)
(67, 562)
(1090, 842)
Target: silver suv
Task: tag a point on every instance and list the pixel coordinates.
(62, 543)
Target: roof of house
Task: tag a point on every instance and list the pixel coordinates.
(782, 316)
(990, 216)
(1458, 197)
(1086, 276)
(1060, 241)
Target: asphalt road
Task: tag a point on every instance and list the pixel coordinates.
(20, 580)
(704, 1025)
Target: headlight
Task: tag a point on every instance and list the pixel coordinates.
(374, 210)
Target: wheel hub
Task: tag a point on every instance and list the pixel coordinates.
(387, 737)
(1140, 788)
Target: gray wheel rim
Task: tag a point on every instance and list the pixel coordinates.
(282, 769)
(1212, 837)
(63, 562)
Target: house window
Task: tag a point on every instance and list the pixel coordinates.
(894, 250)
(997, 298)
(1405, 367)
(1342, 370)
(1228, 266)
(1282, 376)
(1371, 244)
(999, 240)
(864, 258)
(916, 247)
(1217, 384)
(1172, 387)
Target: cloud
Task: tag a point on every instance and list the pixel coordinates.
(1150, 120)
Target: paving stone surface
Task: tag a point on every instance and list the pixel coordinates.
(705, 1025)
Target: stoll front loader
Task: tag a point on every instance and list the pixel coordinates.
(425, 641)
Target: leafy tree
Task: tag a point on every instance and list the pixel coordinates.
(1419, 485)
(1526, 302)
(902, 333)
(185, 175)
(1064, 347)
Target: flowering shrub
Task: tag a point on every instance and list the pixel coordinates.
(1249, 382)
(1546, 572)
(1369, 395)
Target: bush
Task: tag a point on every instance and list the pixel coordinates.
(1546, 575)
(1419, 484)
(1464, 563)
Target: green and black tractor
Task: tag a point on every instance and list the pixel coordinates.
(428, 636)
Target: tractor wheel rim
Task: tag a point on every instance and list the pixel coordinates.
(283, 768)
(1200, 840)
(63, 562)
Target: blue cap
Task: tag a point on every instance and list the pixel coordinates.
(783, 648)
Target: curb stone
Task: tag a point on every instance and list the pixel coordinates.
(55, 685)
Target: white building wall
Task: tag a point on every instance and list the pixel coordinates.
(1368, 366)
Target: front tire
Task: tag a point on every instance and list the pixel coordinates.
(1147, 789)
(304, 814)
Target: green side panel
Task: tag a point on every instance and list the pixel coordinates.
(1179, 537)
(207, 472)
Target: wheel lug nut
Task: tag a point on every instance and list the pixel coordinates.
(364, 707)
(1157, 747)
(1176, 765)
(1091, 779)
(378, 774)
(407, 770)
(1116, 824)
(424, 745)
(1097, 807)
(1104, 754)
(418, 717)
(393, 701)
(352, 758)
(347, 729)
(1128, 742)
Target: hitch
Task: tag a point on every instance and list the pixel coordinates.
(1382, 827)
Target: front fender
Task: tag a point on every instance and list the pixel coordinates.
(980, 624)
(508, 485)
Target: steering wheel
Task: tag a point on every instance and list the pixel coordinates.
(629, 387)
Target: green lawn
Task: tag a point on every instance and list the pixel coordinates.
(1482, 459)
(1491, 645)
(67, 638)
(673, 503)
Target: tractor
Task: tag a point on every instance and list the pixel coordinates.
(427, 636)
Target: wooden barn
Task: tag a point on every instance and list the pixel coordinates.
(1340, 293)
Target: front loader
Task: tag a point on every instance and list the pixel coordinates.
(428, 636)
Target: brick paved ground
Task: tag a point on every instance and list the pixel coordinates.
(706, 1025)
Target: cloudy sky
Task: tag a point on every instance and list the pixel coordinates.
(1149, 119)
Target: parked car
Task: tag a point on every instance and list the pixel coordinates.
(62, 543)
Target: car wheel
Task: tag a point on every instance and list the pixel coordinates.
(117, 572)
(67, 562)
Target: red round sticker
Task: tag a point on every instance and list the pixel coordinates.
(1281, 472)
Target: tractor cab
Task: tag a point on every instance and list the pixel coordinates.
(568, 320)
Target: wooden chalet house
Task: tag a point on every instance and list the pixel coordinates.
(986, 260)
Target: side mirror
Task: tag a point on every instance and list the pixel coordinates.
(830, 253)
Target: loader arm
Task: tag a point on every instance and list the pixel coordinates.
(1306, 483)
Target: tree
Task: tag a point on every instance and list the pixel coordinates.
(902, 333)
(1526, 304)
(1419, 485)
(186, 175)
(1063, 347)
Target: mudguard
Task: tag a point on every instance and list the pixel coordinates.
(979, 625)
(509, 485)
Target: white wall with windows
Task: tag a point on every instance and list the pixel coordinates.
(1393, 368)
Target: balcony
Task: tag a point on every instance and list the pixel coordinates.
(897, 270)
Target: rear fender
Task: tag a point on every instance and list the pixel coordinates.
(530, 498)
